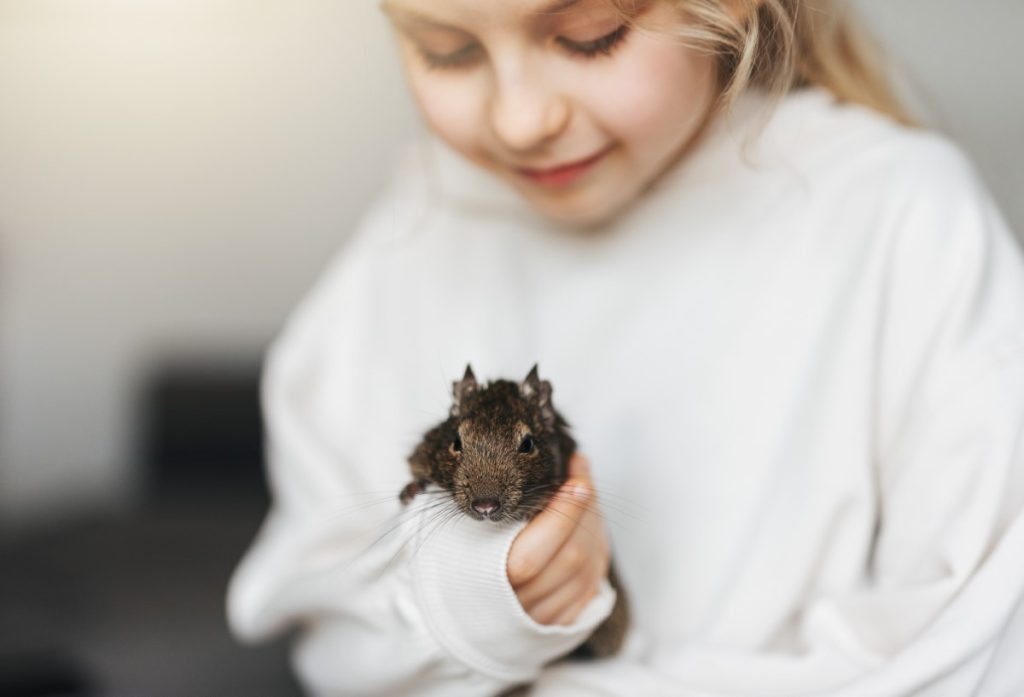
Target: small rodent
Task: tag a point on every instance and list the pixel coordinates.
(502, 453)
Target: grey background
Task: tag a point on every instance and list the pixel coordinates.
(173, 175)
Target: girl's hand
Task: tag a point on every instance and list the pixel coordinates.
(558, 560)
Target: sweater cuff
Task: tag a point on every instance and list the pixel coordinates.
(462, 588)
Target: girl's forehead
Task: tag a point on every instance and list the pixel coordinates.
(460, 13)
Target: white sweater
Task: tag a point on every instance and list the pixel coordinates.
(796, 365)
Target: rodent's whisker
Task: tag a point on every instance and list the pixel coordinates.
(606, 500)
(406, 516)
(434, 510)
(435, 523)
(543, 485)
(610, 516)
(375, 498)
(622, 501)
(367, 506)
(607, 507)
(586, 528)
(331, 515)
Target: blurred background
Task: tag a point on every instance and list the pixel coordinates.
(173, 176)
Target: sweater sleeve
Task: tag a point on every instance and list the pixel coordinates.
(940, 610)
(384, 601)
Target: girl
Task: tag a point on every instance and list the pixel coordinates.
(787, 328)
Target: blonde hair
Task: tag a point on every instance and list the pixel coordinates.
(781, 45)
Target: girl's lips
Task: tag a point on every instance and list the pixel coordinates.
(562, 175)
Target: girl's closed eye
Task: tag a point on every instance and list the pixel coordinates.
(440, 46)
(602, 45)
(596, 30)
(460, 58)
(470, 53)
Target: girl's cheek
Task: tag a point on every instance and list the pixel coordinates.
(454, 112)
(676, 90)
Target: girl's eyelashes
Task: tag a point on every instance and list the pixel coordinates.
(469, 54)
(462, 58)
(600, 46)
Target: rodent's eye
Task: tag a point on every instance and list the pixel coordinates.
(526, 446)
(457, 444)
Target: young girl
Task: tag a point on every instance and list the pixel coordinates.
(786, 327)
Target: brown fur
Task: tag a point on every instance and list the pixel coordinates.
(478, 453)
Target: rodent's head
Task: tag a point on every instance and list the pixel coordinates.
(506, 447)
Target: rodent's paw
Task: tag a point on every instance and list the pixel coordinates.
(410, 490)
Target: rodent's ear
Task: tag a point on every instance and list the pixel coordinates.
(531, 384)
(535, 389)
(462, 388)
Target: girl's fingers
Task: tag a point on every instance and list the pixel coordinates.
(579, 467)
(569, 561)
(541, 539)
(560, 601)
(569, 615)
(557, 559)
(583, 553)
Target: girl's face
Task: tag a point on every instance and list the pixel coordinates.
(576, 110)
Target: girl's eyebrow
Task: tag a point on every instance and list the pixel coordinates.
(557, 6)
(412, 16)
(409, 16)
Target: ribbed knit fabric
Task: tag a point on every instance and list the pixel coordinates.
(471, 609)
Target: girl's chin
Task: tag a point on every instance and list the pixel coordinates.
(587, 206)
(584, 213)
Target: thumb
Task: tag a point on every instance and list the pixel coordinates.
(579, 468)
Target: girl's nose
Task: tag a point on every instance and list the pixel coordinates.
(526, 113)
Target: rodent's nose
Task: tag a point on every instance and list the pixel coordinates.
(485, 506)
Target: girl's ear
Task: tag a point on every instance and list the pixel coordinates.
(462, 389)
(539, 391)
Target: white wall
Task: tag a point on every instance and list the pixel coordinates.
(967, 60)
(173, 173)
